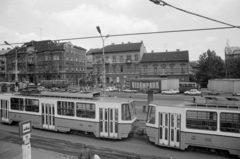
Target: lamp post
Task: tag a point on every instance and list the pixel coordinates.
(16, 66)
(103, 56)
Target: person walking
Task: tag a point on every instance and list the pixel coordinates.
(84, 152)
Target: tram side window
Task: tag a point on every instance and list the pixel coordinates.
(230, 122)
(151, 115)
(86, 110)
(202, 120)
(65, 108)
(126, 112)
(132, 110)
(17, 104)
(32, 105)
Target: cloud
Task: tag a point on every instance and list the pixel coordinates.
(87, 17)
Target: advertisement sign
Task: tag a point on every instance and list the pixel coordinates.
(25, 127)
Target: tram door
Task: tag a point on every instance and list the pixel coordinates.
(108, 122)
(169, 129)
(48, 116)
(4, 111)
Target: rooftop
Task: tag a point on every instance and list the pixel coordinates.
(165, 56)
(124, 47)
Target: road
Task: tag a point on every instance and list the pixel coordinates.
(106, 148)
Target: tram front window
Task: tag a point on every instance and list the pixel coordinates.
(151, 114)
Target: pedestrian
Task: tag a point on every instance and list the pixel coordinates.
(96, 157)
(84, 152)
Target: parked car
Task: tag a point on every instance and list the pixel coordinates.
(193, 92)
(41, 88)
(170, 91)
(176, 90)
(129, 91)
(236, 94)
(213, 93)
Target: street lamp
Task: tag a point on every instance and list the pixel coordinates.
(104, 74)
(16, 67)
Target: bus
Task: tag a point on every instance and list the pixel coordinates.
(186, 86)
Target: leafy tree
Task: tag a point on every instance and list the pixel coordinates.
(233, 67)
(210, 66)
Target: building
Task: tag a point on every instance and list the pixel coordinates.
(89, 55)
(232, 52)
(173, 64)
(121, 62)
(47, 60)
(3, 64)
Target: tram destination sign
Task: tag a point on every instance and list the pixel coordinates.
(25, 127)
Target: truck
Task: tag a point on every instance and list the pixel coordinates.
(155, 84)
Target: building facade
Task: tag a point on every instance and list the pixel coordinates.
(173, 64)
(232, 52)
(121, 62)
(3, 64)
(47, 60)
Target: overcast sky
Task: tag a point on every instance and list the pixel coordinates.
(26, 20)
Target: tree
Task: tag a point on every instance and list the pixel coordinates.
(210, 66)
(233, 67)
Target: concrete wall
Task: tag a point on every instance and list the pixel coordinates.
(224, 85)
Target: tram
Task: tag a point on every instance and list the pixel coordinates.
(102, 117)
(208, 122)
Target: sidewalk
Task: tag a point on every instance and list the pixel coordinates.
(14, 151)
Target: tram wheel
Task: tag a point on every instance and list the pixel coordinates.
(74, 132)
(223, 152)
(191, 148)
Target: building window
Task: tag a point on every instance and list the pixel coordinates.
(230, 122)
(17, 104)
(32, 105)
(201, 120)
(86, 110)
(182, 67)
(129, 57)
(114, 69)
(155, 69)
(128, 69)
(65, 108)
(121, 58)
(145, 69)
(46, 57)
(114, 59)
(136, 57)
(121, 68)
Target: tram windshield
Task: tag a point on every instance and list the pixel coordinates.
(151, 114)
(128, 111)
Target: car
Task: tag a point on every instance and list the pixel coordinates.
(41, 88)
(170, 91)
(176, 90)
(193, 92)
(236, 94)
(129, 91)
(213, 93)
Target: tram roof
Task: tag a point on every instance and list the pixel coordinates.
(75, 96)
(168, 103)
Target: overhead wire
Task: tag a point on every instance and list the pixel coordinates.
(163, 3)
(132, 34)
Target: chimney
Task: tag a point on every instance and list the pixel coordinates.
(8, 48)
(152, 51)
(112, 43)
(129, 42)
(166, 51)
(2, 48)
(122, 42)
(178, 50)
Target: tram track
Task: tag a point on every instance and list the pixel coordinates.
(68, 147)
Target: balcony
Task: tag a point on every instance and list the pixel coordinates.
(128, 61)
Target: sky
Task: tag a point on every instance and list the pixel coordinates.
(26, 20)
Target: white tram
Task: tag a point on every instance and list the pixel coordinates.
(68, 112)
(209, 122)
